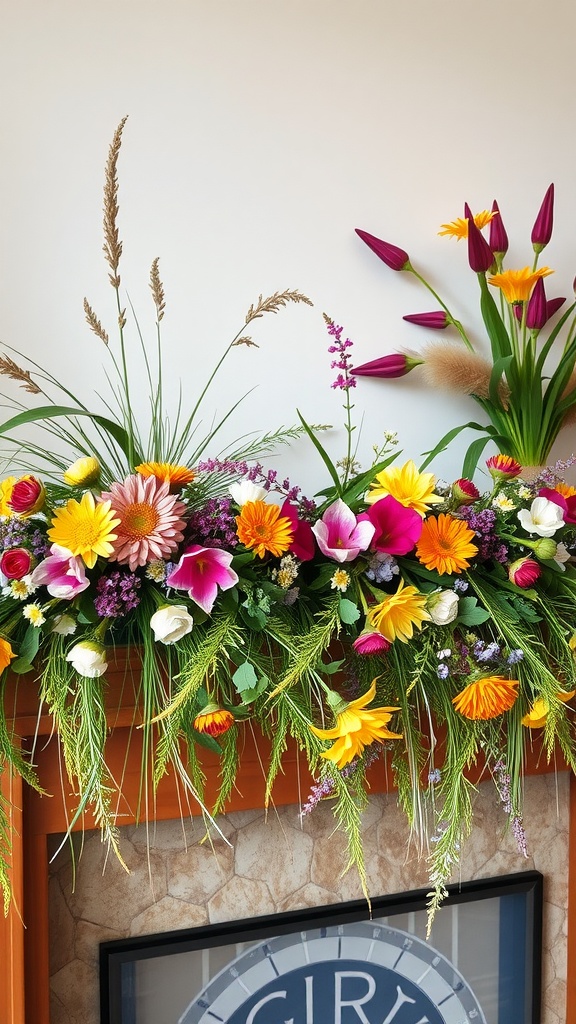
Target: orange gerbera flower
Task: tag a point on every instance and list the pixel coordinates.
(213, 720)
(517, 285)
(486, 698)
(396, 616)
(176, 476)
(356, 728)
(262, 529)
(459, 228)
(445, 544)
(565, 489)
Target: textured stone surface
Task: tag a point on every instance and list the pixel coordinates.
(279, 862)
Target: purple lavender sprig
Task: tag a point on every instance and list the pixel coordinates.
(117, 593)
(268, 479)
(502, 780)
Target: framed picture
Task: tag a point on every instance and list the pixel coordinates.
(342, 964)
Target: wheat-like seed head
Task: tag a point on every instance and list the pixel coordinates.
(11, 369)
(274, 302)
(157, 289)
(94, 323)
(112, 247)
(458, 369)
(245, 340)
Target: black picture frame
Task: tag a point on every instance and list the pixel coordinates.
(503, 913)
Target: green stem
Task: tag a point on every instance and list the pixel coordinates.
(453, 320)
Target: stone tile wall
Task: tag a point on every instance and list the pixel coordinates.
(282, 863)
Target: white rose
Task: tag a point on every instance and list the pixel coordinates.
(171, 622)
(88, 658)
(544, 517)
(443, 607)
(247, 490)
(64, 625)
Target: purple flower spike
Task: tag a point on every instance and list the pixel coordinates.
(542, 230)
(435, 321)
(396, 365)
(498, 236)
(391, 255)
(480, 255)
(537, 312)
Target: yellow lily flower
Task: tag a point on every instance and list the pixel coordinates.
(356, 728)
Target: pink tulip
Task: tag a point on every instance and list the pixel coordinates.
(391, 255)
(303, 546)
(201, 571)
(542, 230)
(63, 574)
(395, 365)
(340, 535)
(397, 529)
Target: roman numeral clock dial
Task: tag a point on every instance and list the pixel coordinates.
(358, 973)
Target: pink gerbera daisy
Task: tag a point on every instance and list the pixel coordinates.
(150, 520)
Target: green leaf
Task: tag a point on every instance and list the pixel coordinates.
(51, 412)
(323, 454)
(348, 611)
(30, 644)
(332, 667)
(445, 441)
(245, 677)
(20, 666)
(203, 739)
(499, 338)
(470, 613)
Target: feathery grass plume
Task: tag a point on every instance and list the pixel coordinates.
(94, 323)
(570, 417)
(157, 289)
(112, 247)
(458, 369)
(11, 369)
(274, 302)
(246, 340)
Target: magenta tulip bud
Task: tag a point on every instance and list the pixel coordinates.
(524, 572)
(371, 642)
(498, 236)
(396, 365)
(480, 255)
(553, 305)
(542, 230)
(435, 321)
(537, 311)
(391, 255)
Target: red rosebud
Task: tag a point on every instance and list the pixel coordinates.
(542, 230)
(480, 255)
(371, 642)
(435, 321)
(391, 255)
(464, 491)
(16, 563)
(28, 496)
(396, 365)
(498, 236)
(524, 572)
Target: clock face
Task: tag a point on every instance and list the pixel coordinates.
(362, 973)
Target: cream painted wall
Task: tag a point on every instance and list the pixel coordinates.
(261, 132)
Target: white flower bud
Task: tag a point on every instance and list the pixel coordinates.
(171, 622)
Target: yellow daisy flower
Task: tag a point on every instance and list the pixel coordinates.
(85, 528)
(411, 488)
(356, 728)
(396, 616)
(517, 285)
(459, 228)
(486, 698)
(262, 529)
(445, 544)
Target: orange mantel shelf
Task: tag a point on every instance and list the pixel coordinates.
(24, 940)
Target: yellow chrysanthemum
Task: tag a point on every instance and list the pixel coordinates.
(261, 528)
(356, 728)
(517, 285)
(176, 476)
(6, 488)
(536, 717)
(409, 487)
(459, 228)
(85, 528)
(445, 544)
(396, 616)
(486, 698)
(6, 654)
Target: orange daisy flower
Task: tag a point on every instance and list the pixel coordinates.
(445, 544)
(213, 720)
(486, 698)
(517, 285)
(396, 616)
(565, 489)
(167, 472)
(262, 529)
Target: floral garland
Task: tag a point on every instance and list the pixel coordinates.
(356, 625)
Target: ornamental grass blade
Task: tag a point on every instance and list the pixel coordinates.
(50, 412)
(446, 440)
(323, 455)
